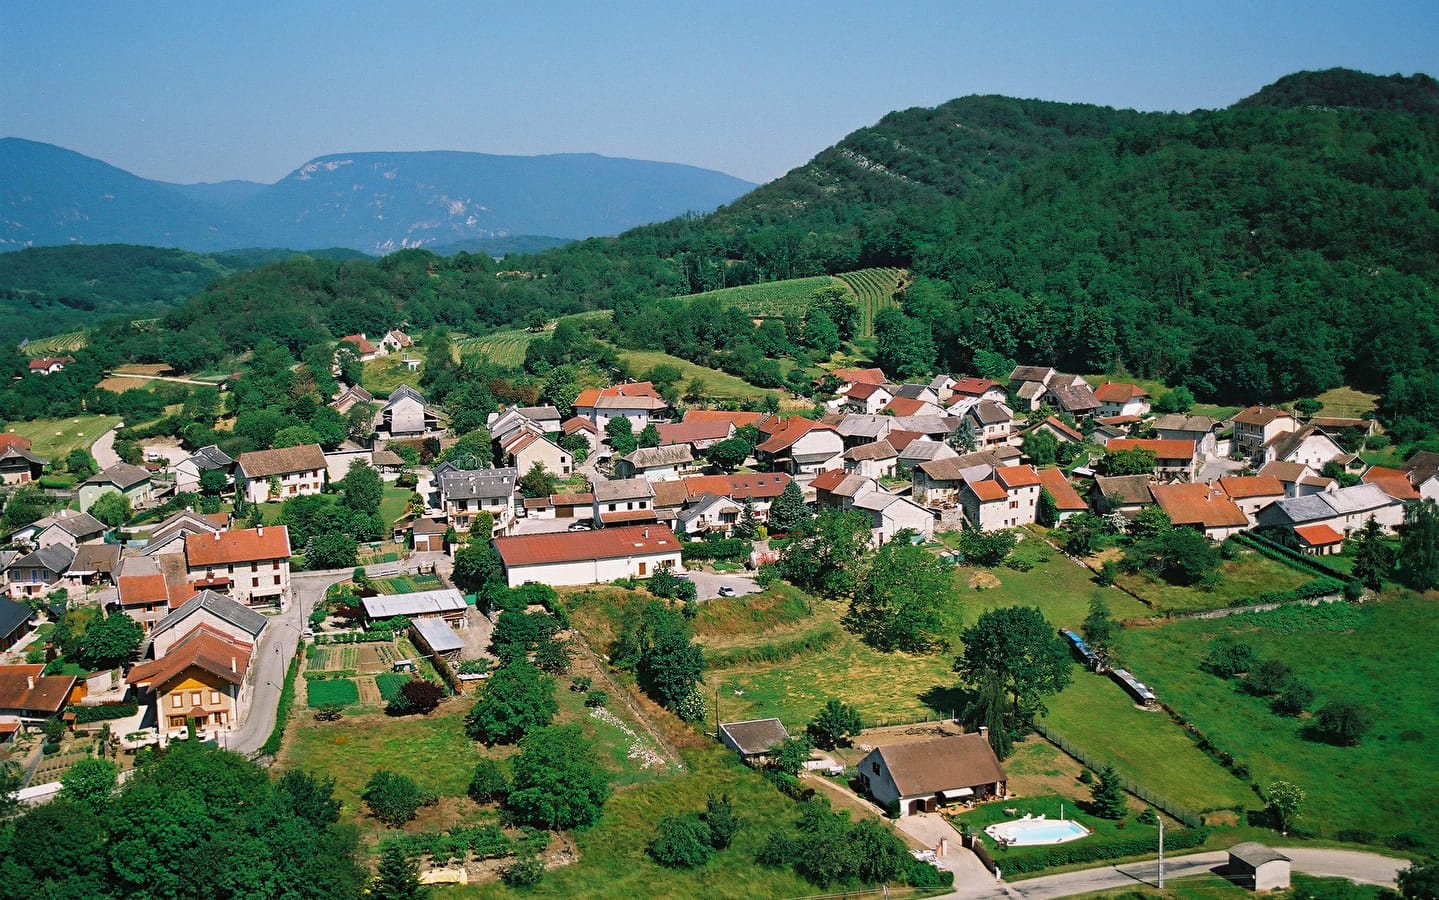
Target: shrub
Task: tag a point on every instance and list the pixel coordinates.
(1343, 721)
(1018, 861)
(418, 695)
(1229, 658)
(681, 842)
(523, 872)
(1293, 698)
(1268, 677)
(394, 799)
(727, 549)
(596, 699)
(489, 783)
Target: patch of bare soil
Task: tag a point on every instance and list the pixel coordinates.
(983, 581)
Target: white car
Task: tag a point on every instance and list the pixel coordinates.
(726, 591)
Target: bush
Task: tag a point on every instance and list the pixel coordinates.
(394, 799)
(523, 872)
(1343, 722)
(282, 709)
(727, 549)
(1294, 698)
(421, 694)
(596, 699)
(681, 842)
(86, 714)
(1268, 677)
(1229, 658)
(1377, 442)
(489, 783)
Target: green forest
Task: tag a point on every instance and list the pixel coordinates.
(1263, 252)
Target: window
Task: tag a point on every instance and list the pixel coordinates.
(613, 506)
(874, 767)
(254, 582)
(194, 698)
(254, 567)
(275, 565)
(277, 579)
(1014, 504)
(214, 697)
(176, 701)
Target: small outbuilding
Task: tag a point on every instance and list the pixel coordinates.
(1256, 866)
(754, 739)
(446, 604)
(439, 638)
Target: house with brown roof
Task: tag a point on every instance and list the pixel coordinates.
(49, 365)
(1256, 426)
(1056, 426)
(800, 446)
(281, 474)
(1201, 507)
(17, 464)
(993, 422)
(143, 593)
(526, 447)
(133, 482)
(860, 376)
(624, 501)
(737, 418)
(1307, 445)
(1394, 482)
(876, 460)
(837, 489)
(1251, 493)
(1123, 493)
(250, 565)
(937, 484)
(867, 399)
(923, 776)
(1297, 478)
(1202, 431)
(365, 350)
(664, 463)
(753, 739)
(1072, 394)
(577, 425)
(26, 693)
(351, 397)
(911, 406)
(700, 434)
(1319, 540)
(637, 401)
(588, 557)
(965, 392)
(1117, 399)
(201, 678)
(1423, 471)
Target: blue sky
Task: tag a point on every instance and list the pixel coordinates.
(199, 91)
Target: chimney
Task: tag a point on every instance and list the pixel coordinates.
(260, 531)
(984, 731)
(216, 536)
(233, 666)
(30, 682)
(647, 533)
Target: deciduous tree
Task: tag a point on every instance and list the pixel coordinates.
(558, 783)
(897, 603)
(1018, 647)
(835, 725)
(514, 701)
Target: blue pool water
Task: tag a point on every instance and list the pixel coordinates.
(1023, 832)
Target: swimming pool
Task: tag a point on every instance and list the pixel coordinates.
(1025, 832)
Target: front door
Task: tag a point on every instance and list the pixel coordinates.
(643, 568)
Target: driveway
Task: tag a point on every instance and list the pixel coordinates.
(1366, 868)
(707, 584)
(104, 450)
(929, 830)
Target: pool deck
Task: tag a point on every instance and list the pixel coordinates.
(1012, 833)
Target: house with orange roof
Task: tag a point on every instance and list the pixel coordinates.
(1251, 493)
(759, 489)
(250, 565)
(588, 557)
(1394, 482)
(365, 350)
(911, 406)
(17, 464)
(637, 401)
(49, 365)
(1067, 502)
(1171, 458)
(699, 434)
(802, 447)
(1201, 507)
(999, 498)
(1258, 425)
(1117, 399)
(1319, 540)
(1063, 433)
(142, 591)
(860, 376)
(971, 390)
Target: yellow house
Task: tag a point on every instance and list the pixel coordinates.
(202, 677)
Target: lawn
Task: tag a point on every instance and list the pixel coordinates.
(718, 385)
(1248, 576)
(1213, 887)
(1380, 655)
(1050, 807)
(407, 584)
(341, 691)
(53, 439)
(385, 373)
(613, 862)
(1346, 403)
(393, 503)
(1146, 747)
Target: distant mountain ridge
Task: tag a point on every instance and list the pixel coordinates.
(374, 202)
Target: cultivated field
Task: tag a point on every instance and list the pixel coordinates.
(718, 385)
(874, 289)
(55, 345)
(504, 348)
(772, 299)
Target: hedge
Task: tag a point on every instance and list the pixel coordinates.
(282, 709)
(1287, 555)
(1309, 590)
(727, 549)
(87, 714)
(1082, 851)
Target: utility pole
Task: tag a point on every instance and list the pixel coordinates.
(1161, 852)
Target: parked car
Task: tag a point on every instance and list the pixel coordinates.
(579, 526)
(726, 591)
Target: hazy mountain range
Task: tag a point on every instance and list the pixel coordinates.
(374, 202)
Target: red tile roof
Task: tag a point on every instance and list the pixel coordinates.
(1318, 535)
(1113, 392)
(737, 419)
(246, 545)
(577, 424)
(361, 343)
(620, 517)
(759, 485)
(828, 480)
(974, 387)
(206, 648)
(791, 430)
(906, 406)
(25, 688)
(1058, 425)
(864, 390)
(689, 432)
(643, 389)
(1394, 482)
(1163, 448)
(1117, 420)
(1066, 498)
(1198, 504)
(136, 590)
(987, 491)
(15, 441)
(899, 439)
(860, 376)
(1016, 476)
(606, 543)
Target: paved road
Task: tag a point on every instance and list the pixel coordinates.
(1367, 868)
(104, 450)
(707, 584)
(173, 378)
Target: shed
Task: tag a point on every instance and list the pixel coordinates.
(753, 739)
(439, 638)
(1258, 867)
(445, 604)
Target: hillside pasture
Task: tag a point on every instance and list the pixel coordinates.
(874, 289)
(772, 299)
(53, 439)
(504, 348)
(1379, 655)
(718, 385)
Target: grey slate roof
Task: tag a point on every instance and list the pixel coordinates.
(858, 425)
(987, 412)
(79, 525)
(211, 457)
(1253, 853)
(1345, 501)
(756, 735)
(623, 489)
(471, 484)
(13, 616)
(385, 606)
(440, 637)
(56, 558)
(123, 475)
(924, 451)
(402, 392)
(667, 455)
(913, 391)
(218, 605)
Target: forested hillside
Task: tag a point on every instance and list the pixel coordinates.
(1273, 249)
